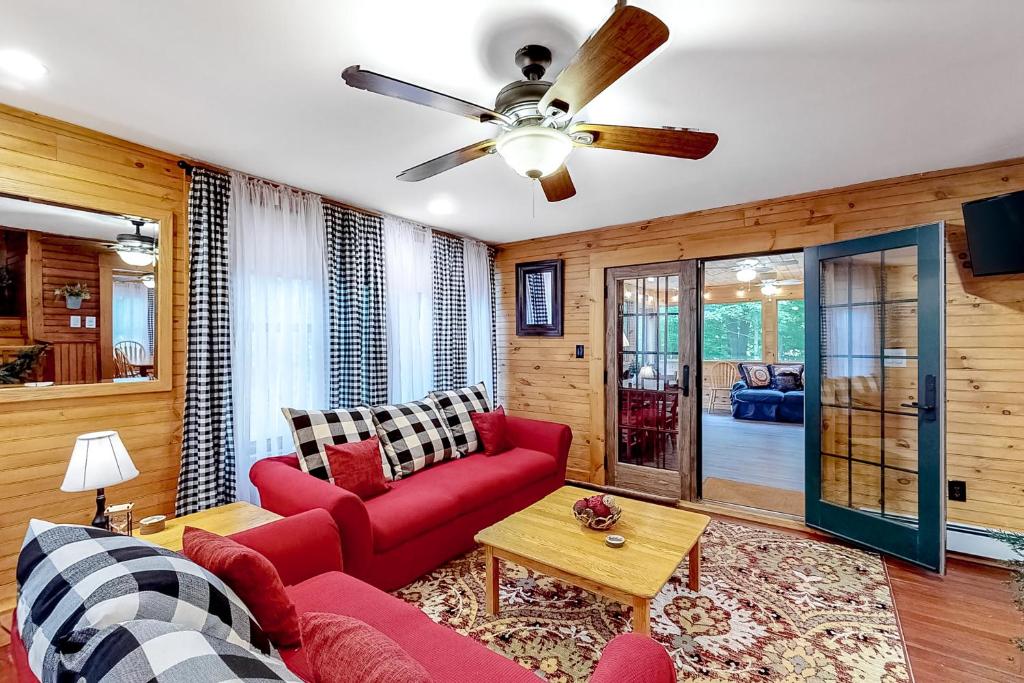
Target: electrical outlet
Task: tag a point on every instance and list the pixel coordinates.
(579, 350)
(957, 490)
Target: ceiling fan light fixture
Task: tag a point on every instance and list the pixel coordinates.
(746, 274)
(534, 151)
(768, 289)
(136, 258)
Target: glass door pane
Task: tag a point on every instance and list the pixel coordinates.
(868, 375)
(648, 372)
(874, 394)
(650, 410)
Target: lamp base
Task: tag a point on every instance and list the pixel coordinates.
(101, 521)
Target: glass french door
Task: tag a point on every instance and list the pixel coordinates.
(651, 396)
(874, 392)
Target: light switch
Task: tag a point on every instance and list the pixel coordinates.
(90, 322)
(76, 321)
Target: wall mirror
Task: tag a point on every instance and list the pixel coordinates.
(84, 300)
(539, 299)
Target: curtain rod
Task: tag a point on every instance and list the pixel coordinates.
(189, 166)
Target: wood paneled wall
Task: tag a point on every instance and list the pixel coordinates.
(81, 167)
(985, 316)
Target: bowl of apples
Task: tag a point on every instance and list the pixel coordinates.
(597, 512)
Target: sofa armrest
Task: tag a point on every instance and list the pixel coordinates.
(300, 547)
(287, 490)
(633, 658)
(552, 438)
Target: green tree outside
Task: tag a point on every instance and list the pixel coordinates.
(733, 331)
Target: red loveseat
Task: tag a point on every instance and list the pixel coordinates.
(431, 516)
(305, 550)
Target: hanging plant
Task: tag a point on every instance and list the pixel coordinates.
(74, 294)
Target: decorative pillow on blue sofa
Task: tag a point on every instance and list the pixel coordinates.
(756, 375)
(787, 377)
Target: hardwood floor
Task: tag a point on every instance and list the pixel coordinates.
(957, 628)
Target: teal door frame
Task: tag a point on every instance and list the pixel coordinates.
(922, 543)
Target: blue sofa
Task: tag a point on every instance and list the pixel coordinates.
(767, 404)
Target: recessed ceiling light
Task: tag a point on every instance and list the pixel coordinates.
(22, 65)
(442, 205)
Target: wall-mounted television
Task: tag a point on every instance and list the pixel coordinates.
(995, 234)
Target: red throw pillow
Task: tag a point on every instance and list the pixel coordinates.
(341, 649)
(356, 467)
(492, 429)
(252, 577)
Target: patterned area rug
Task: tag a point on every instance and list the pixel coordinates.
(772, 607)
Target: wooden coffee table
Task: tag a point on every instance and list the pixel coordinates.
(547, 538)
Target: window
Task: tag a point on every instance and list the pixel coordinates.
(733, 331)
(791, 330)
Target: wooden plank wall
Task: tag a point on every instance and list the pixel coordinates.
(82, 167)
(985, 316)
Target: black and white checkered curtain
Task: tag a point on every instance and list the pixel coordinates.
(207, 476)
(491, 254)
(357, 325)
(536, 292)
(151, 321)
(450, 352)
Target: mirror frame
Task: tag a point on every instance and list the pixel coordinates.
(164, 301)
(555, 267)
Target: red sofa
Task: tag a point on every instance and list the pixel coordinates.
(307, 553)
(431, 516)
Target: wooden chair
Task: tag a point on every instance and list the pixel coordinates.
(133, 351)
(722, 376)
(122, 366)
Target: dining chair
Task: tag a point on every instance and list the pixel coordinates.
(722, 376)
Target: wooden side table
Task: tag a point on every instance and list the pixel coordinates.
(223, 520)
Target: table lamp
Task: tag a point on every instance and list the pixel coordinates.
(99, 460)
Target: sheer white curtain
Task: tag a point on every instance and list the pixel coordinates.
(407, 256)
(278, 316)
(480, 364)
(130, 313)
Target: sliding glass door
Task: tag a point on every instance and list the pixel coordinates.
(874, 392)
(651, 397)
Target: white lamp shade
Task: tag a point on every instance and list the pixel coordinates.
(99, 460)
(137, 258)
(534, 151)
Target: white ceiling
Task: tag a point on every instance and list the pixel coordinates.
(805, 95)
(18, 213)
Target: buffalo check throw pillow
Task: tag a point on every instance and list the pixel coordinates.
(456, 406)
(413, 435)
(73, 579)
(314, 430)
(150, 651)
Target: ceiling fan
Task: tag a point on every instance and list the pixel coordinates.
(750, 269)
(536, 116)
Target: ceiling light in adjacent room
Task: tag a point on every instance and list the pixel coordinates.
(746, 274)
(149, 281)
(768, 289)
(136, 249)
(441, 205)
(741, 293)
(707, 295)
(534, 151)
(21, 65)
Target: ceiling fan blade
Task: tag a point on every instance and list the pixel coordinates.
(669, 142)
(628, 36)
(558, 185)
(447, 161)
(392, 87)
